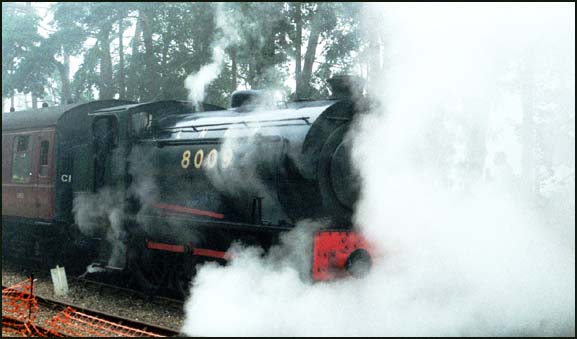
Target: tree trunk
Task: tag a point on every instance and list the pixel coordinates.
(34, 101)
(121, 81)
(106, 88)
(12, 108)
(53, 95)
(63, 71)
(252, 72)
(265, 62)
(306, 75)
(164, 78)
(66, 97)
(477, 131)
(233, 70)
(132, 90)
(150, 81)
(298, 46)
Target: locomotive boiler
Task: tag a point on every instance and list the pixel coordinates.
(182, 184)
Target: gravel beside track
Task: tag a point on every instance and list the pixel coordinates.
(160, 312)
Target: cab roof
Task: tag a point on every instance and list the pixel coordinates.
(49, 116)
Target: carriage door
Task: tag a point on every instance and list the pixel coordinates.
(105, 133)
(45, 183)
(21, 199)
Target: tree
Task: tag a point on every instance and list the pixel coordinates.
(173, 40)
(20, 41)
(66, 41)
(335, 27)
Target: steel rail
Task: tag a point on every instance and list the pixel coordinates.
(140, 325)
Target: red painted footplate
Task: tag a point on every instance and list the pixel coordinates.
(331, 251)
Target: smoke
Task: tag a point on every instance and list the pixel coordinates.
(448, 192)
(107, 214)
(240, 174)
(149, 187)
(101, 215)
(442, 192)
(196, 83)
(243, 150)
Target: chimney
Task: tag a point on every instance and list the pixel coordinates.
(346, 86)
(245, 98)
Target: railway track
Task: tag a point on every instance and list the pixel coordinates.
(91, 297)
(100, 283)
(103, 285)
(68, 319)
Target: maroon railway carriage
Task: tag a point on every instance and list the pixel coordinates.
(36, 191)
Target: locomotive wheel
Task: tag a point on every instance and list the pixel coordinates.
(179, 273)
(149, 274)
(163, 273)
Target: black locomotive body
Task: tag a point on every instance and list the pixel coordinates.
(175, 185)
(265, 167)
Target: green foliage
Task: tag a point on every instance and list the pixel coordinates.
(20, 40)
(169, 41)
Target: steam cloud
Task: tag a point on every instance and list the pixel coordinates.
(196, 83)
(466, 250)
(102, 214)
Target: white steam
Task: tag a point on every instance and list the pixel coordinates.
(101, 215)
(468, 249)
(196, 83)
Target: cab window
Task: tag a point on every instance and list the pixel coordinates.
(105, 133)
(140, 124)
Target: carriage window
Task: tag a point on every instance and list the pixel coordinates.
(21, 160)
(44, 147)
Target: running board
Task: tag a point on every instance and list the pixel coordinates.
(186, 249)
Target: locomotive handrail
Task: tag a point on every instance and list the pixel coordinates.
(243, 122)
(211, 141)
(228, 224)
(338, 118)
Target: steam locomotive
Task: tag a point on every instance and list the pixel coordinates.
(155, 188)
